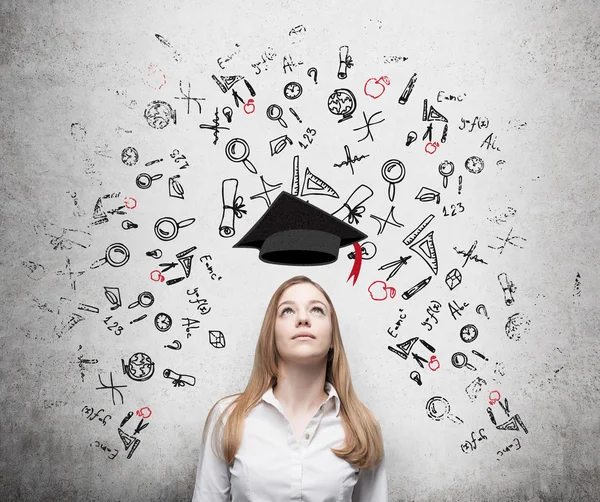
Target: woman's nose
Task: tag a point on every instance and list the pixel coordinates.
(302, 319)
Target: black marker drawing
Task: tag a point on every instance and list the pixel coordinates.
(459, 184)
(398, 323)
(89, 410)
(278, 144)
(82, 361)
(407, 90)
(472, 445)
(250, 88)
(474, 164)
(576, 287)
(416, 377)
(504, 406)
(468, 333)
(188, 98)
(428, 195)
(61, 241)
(165, 43)
(411, 137)
(34, 270)
(137, 319)
(429, 347)
(490, 143)
(513, 425)
(116, 255)
(144, 180)
(460, 360)
(368, 125)
(432, 309)
(312, 72)
(491, 415)
(507, 448)
(175, 188)
(479, 354)
(144, 299)
(309, 139)
(179, 156)
(167, 228)
(163, 322)
(209, 267)
(313, 185)
(382, 223)
(425, 248)
(410, 292)
(342, 102)
(176, 346)
(349, 159)
(438, 408)
(238, 150)
(353, 207)
(228, 112)
(113, 388)
(469, 254)
(113, 295)
(140, 367)
(114, 325)
(446, 169)
(155, 253)
(444, 133)
(159, 114)
(226, 82)
(190, 324)
(293, 112)
(368, 251)
(454, 207)
(453, 278)
(129, 442)
(129, 156)
(456, 308)
(393, 172)
(88, 308)
(345, 62)
(128, 225)
(508, 288)
(397, 264)
(216, 339)
(264, 195)
(508, 240)
(474, 388)
(275, 112)
(292, 90)
(516, 326)
(404, 348)
(186, 264)
(215, 128)
(72, 275)
(233, 205)
(432, 114)
(179, 380)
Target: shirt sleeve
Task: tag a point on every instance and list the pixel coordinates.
(372, 484)
(212, 474)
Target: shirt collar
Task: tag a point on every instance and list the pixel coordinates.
(270, 398)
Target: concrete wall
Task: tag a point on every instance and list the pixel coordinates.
(518, 85)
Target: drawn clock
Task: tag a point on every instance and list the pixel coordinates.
(468, 333)
(292, 90)
(163, 322)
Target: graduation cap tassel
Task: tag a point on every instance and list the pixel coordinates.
(357, 263)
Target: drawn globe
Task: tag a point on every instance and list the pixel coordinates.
(342, 102)
(140, 367)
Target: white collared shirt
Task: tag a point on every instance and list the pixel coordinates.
(271, 465)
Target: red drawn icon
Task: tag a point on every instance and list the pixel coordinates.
(157, 276)
(144, 412)
(379, 291)
(249, 104)
(127, 199)
(433, 146)
(494, 399)
(155, 78)
(433, 361)
(374, 86)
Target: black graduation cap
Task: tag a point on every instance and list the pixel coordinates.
(294, 232)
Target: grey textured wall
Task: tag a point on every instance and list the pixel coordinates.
(76, 80)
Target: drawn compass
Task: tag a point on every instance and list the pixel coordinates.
(292, 90)
(163, 322)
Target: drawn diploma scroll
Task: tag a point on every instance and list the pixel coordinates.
(352, 209)
(232, 207)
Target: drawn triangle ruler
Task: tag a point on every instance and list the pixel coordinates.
(512, 425)
(435, 115)
(226, 82)
(406, 347)
(128, 442)
(425, 248)
(313, 185)
(186, 263)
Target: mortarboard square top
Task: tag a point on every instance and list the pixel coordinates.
(294, 232)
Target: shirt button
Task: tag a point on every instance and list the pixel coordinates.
(306, 436)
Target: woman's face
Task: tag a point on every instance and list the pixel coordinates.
(302, 308)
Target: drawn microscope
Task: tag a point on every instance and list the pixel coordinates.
(508, 287)
(345, 62)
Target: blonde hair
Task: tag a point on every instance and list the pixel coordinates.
(363, 445)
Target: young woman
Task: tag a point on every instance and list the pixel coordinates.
(298, 432)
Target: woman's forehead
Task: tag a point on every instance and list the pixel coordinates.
(304, 291)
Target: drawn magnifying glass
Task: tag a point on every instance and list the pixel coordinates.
(238, 150)
(145, 299)
(446, 169)
(167, 228)
(274, 112)
(438, 408)
(116, 255)
(459, 360)
(144, 180)
(393, 172)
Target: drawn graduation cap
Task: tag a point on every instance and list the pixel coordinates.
(294, 232)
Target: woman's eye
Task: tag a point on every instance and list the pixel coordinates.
(319, 309)
(285, 309)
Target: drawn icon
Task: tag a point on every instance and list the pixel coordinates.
(481, 310)
(175, 188)
(144, 180)
(415, 377)
(215, 127)
(228, 112)
(353, 207)
(176, 346)
(460, 360)
(158, 114)
(393, 172)
(468, 333)
(145, 299)
(428, 195)
(113, 295)
(116, 255)
(453, 278)
(345, 62)
(188, 98)
(238, 150)
(216, 339)
(313, 185)
(410, 292)
(275, 112)
(163, 322)
(406, 93)
(513, 425)
(140, 367)
(397, 264)
(404, 348)
(474, 164)
(378, 290)
(411, 137)
(446, 169)
(233, 205)
(368, 251)
(179, 380)
(292, 90)
(277, 145)
(226, 82)
(368, 125)
(342, 102)
(293, 112)
(129, 156)
(249, 107)
(264, 195)
(167, 228)
(383, 222)
(127, 225)
(349, 159)
(438, 408)
(312, 72)
(155, 253)
(508, 288)
(432, 114)
(374, 87)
